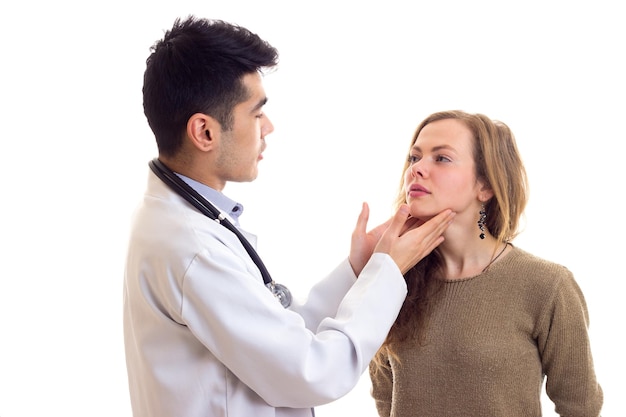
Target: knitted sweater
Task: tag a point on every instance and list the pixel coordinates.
(489, 342)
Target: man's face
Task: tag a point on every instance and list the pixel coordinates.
(241, 148)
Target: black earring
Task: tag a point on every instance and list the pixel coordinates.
(481, 221)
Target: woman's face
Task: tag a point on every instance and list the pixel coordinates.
(441, 173)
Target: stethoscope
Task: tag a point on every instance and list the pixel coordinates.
(205, 207)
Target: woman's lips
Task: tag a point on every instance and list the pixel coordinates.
(417, 190)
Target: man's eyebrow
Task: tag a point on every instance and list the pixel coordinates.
(260, 104)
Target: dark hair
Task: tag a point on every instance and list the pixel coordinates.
(198, 67)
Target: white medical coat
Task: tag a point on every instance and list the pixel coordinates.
(205, 337)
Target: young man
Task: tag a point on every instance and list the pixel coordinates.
(204, 336)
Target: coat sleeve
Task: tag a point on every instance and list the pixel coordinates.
(270, 348)
(565, 351)
(324, 298)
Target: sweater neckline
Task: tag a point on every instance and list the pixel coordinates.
(493, 268)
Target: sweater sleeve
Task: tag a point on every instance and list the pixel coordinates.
(382, 384)
(564, 346)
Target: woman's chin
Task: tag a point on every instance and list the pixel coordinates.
(422, 215)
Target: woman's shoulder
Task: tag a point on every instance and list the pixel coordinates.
(535, 269)
(523, 258)
(539, 281)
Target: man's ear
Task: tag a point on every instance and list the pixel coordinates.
(203, 132)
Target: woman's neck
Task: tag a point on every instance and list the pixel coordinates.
(468, 257)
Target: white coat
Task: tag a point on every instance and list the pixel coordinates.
(205, 337)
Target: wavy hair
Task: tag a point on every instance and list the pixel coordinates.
(499, 165)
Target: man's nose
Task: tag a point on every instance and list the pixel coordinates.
(267, 128)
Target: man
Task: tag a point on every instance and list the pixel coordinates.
(204, 336)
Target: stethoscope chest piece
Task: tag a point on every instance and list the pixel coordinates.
(281, 292)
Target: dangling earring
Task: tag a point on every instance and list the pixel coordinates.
(481, 221)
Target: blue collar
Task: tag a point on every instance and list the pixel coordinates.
(225, 204)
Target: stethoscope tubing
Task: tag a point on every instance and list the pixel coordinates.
(205, 207)
(183, 189)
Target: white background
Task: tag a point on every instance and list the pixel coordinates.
(355, 80)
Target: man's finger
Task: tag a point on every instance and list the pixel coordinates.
(398, 221)
(361, 223)
(437, 224)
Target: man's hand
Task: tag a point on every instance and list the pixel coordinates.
(404, 238)
(409, 244)
(363, 242)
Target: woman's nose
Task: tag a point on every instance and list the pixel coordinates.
(417, 169)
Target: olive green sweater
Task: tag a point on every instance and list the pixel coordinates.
(490, 341)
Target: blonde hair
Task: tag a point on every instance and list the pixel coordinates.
(499, 165)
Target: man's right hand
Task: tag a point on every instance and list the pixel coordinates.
(408, 242)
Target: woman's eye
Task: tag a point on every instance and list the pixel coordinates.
(442, 158)
(413, 159)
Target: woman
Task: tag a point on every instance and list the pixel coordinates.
(484, 321)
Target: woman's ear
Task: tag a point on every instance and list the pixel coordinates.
(203, 132)
(484, 192)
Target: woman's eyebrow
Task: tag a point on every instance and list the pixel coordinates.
(434, 148)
